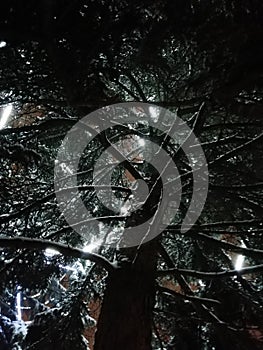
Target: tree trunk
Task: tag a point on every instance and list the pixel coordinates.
(125, 321)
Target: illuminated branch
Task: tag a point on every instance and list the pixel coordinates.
(39, 244)
(234, 151)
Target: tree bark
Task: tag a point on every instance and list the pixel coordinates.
(125, 320)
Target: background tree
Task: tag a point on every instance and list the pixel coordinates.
(63, 59)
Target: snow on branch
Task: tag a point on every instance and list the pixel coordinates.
(39, 244)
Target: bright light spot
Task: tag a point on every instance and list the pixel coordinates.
(35, 295)
(2, 44)
(90, 247)
(124, 211)
(49, 252)
(141, 142)
(68, 268)
(18, 305)
(202, 284)
(5, 115)
(154, 113)
(240, 260)
(66, 169)
(125, 208)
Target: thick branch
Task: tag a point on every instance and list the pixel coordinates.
(39, 244)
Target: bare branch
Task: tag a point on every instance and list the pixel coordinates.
(212, 275)
(188, 297)
(27, 209)
(243, 187)
(254, 253)
(234, 151)
(236, 223)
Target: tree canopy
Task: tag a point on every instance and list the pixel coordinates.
(199, 289)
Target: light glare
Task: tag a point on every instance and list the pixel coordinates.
(49, 252)
(90, 247)
(141, 142)
(240, 259)
(18, 306)
(239, 262)
(6, 114)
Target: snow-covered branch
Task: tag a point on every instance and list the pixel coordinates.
(39, 244)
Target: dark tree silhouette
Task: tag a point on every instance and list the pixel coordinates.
(59, 61)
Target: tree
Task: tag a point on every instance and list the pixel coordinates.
(61, 60)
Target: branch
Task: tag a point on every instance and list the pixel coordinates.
(202, 309)
(156, 331)
(169, 262)
(188, 297)
(242, 187)
(212, 275)
(254, 253)
(119, 156)
(220, 224)
(234, 151)
(27, 209)
(232, 125)
(126, 89)
(39, 244)
(7, 217)
(137, 86)
(251, 252)
(200, 118)
(43, 126)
